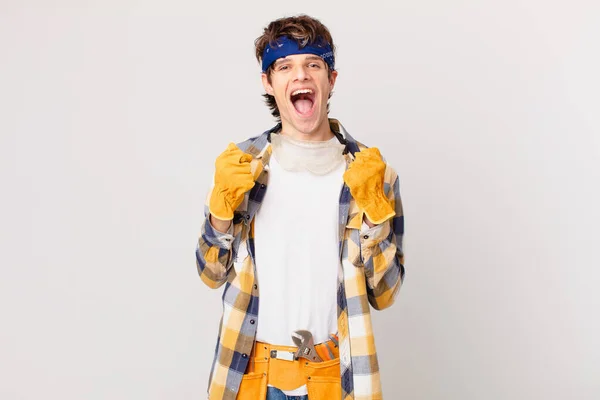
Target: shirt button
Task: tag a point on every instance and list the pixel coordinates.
(248, 216)
(252, 321)
(262, 186)
(244, 355)
(366, 237)
(255, 286)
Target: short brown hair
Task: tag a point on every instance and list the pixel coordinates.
(303, 29)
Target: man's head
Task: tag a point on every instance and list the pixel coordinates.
(297, 55)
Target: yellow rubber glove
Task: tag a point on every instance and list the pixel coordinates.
(364, 177)
(233, 178)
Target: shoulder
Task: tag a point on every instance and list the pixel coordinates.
(255, 144)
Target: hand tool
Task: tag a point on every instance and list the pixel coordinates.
(306, 346)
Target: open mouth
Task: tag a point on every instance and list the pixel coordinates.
(303, 101)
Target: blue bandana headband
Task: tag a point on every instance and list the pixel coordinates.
(285, 46)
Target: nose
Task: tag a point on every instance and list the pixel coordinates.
(300, 73)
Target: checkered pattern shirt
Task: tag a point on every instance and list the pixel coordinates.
(371, 272)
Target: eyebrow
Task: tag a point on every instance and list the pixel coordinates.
(313, 57)
(308, 57)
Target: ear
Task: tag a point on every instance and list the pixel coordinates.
(334, 75)
(266, 84)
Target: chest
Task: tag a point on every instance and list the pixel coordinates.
(295, 195)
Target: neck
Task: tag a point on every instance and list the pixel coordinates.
(319, 134)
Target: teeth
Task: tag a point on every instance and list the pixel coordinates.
(299, 91)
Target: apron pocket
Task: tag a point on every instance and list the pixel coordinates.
(324, 381)
(324, 388)
(253, 386)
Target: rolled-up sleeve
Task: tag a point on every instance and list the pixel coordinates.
(382, 252)
(213, 251)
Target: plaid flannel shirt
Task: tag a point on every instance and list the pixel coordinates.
(371, 271)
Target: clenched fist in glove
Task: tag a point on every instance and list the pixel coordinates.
(364, 178)
(233, 178)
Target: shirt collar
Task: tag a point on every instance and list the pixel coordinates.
(350, 145)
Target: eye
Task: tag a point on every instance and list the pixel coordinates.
(314, 65)
(282, 68)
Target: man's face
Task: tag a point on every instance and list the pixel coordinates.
(301, 87)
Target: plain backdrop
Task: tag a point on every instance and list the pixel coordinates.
(111, 116)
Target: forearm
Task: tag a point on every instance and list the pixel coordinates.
(220, 224)
(383, 266)
(213, 251)
(233, 178)
(366, 221)
(382, 253)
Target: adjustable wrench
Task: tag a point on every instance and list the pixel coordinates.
(306, 346)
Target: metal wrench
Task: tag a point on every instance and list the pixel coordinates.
(306, 346)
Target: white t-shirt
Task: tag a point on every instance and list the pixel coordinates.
(297, 254)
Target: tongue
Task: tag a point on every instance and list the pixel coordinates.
(303, 106)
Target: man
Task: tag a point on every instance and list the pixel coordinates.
(317, 248)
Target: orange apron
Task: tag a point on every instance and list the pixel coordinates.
(322, 379)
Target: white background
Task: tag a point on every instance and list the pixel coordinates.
(111, 115)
